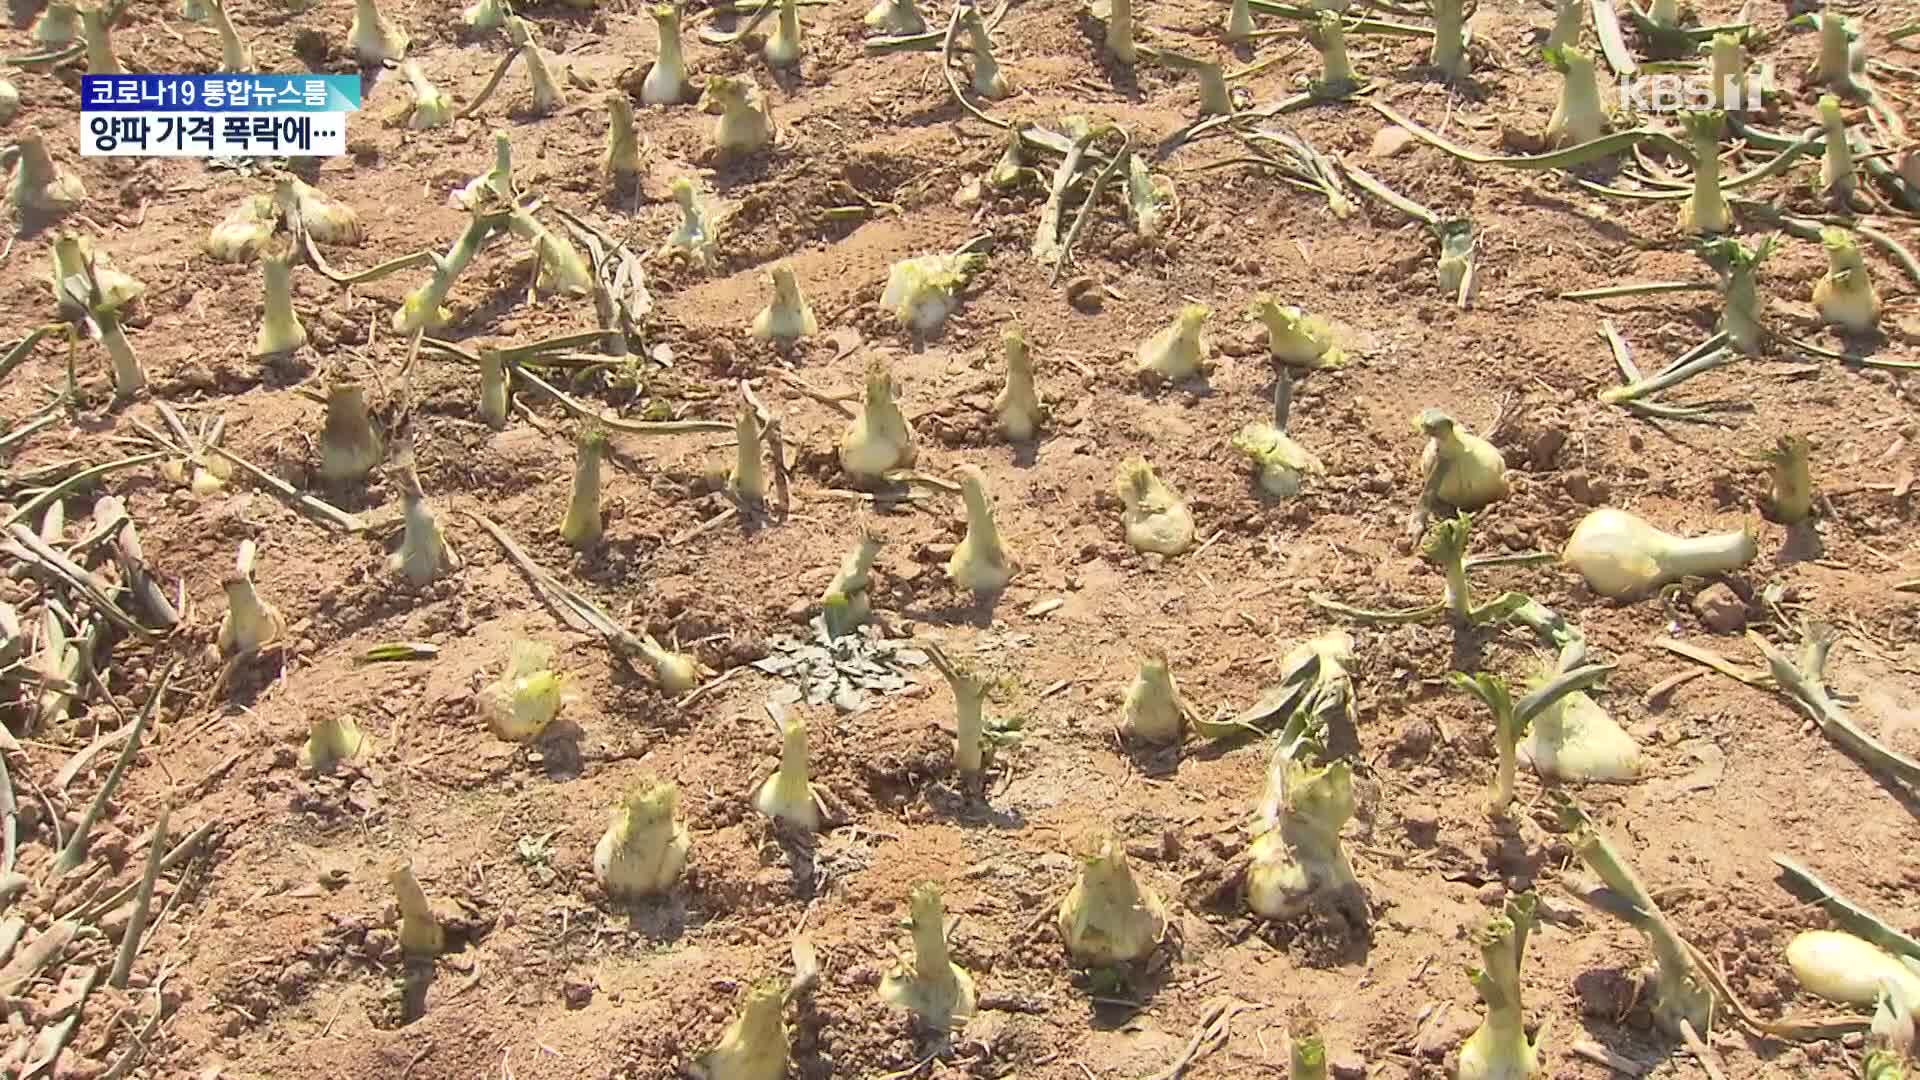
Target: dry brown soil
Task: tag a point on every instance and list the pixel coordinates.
(278, 944)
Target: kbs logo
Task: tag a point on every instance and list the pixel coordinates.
(1671, 93)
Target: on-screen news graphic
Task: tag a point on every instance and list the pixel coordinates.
(216, 115)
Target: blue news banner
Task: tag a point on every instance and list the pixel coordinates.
(216, 115)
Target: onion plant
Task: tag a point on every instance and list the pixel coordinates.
(1240, 25)
(495, 386)
(1579, 116)
(1683, 998)
(1295, 338)
(38, 185)
(988, 80)
(1513, 718)
(1837, 182)
(782, 48)
(235, 55)
(745, 126)
(1450, 38)
(897, 18)
(621, 161)
(350, 446)
(1155, 517)
(1803, 678)
(644, 850)
(788, 796)
(666, 81)
(880, 439)
(675, 672)
(280, 329)
(1296, 859)
(1178, 351)
(970, 724)
(372, 38)
(922, 291)
(1851, 971)
(1152, 710)
(1791, 478)
(1327, 34)
(332, 739)
(58, 25)
(1281, 466)
(1461, 469)
(1575, 740)
(1120, 31)
(250, 623)
(755, 1045)
(847, 600)
(1622, 556)
(548, 96)
(424, 554)
(1499, 1048)
(980, 563)
(423, 308)
(1706, 210)
(1727, 59)
(1845, 294)
(527, 697)
(483, 16)
(1017, 409)
(787, 317)
(1739, 268)
(1841, 60)
(1108, 917)
(698, 233)
(1569, 18)
(937, 991)
(96, 29)
(581, 527)
(421, 934)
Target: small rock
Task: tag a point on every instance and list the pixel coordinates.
(1422, 824)
(1544, 449)
(1445, 1031)
(1586, 490)
(1720, 609)
(293, 980)
(1086, 295)
(1249, 341)
(80, 1067)
(379, 943)
(1521, 140)
(578, 992)
(1347, 1069)
(1418, 737)
(114, 923)
(1390, 140)
(1492, 894)
(1605, 993)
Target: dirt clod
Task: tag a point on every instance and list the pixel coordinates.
(1720, 609)
(1586, 490)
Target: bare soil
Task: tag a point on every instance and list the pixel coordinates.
(277, 945)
